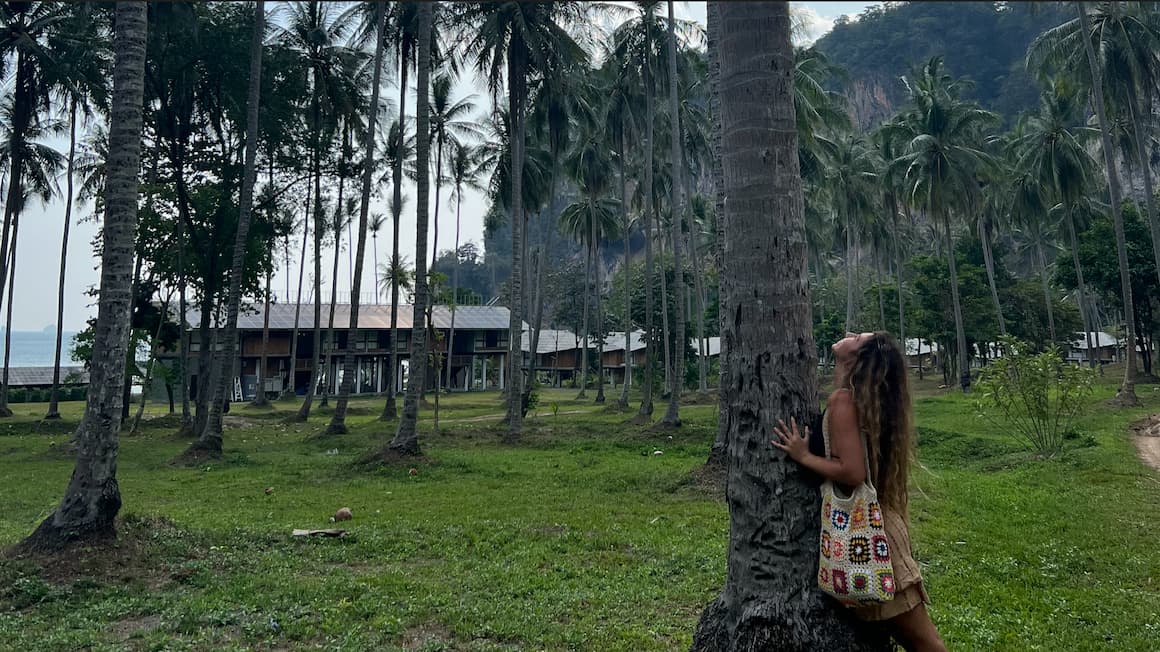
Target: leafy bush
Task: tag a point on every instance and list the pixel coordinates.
(1034, 396)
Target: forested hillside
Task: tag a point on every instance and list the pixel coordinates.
(985, 42)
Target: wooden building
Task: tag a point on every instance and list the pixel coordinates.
(477, 356)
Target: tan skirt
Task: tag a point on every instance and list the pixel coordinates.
(907, 575)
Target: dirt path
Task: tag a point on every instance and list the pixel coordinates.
(1146, 436)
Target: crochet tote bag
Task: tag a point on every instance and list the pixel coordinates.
(854, 556)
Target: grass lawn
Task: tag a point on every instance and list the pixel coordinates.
(578, 538)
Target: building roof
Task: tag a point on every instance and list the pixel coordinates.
(551, 341)
(1100, 339)
(42, 376)
(372, 317)
(614, 341)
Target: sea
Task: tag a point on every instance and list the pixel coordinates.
(37, 348)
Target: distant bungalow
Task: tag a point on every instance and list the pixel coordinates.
(477, 360)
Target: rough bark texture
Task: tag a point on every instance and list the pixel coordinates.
(677, 203)
(1127, 393)
(92, 498)
(338, 419)
(720, 442)
(210, 440)
(406, 439)
(770, 600)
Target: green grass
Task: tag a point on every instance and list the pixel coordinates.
(578, 538)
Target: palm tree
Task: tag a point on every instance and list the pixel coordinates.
(40, 165)
(466, 173)
(317, 34)
(634, 52)
(398, 155)
(892, 188)
(81, 83)
(620, 117)
(851, 177)
(939, 164)
(338, 419)
(1051, 150)
(404, 37)
(92, 499)
(771, 499)
(406, 440)
(561, 108)
(24, 31)
(1127, 394)
(209, 441)
(1028, 204)
(448, 119)
(672, 416)
(1124, 38)
(376, 224)
(589, 221)
(527, 37)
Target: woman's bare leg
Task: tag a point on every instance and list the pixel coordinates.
(915, 631)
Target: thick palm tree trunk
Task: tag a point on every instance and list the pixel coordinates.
(960, 333)
(92, 498)
(989, 263)
(517, 91)
(717, 452)
(210, 441)
(1127, 393)
(338, 419)
(770, 599)
(406, 441)
(54, 395)
(390, 409)
(650, 351)
(672, 416)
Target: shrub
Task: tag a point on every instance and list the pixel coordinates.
(1035, 397)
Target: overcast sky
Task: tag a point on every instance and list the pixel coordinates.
(38, 253)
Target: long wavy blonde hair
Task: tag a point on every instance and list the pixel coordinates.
(880, 385)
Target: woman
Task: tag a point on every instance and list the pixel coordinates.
(872, 398)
